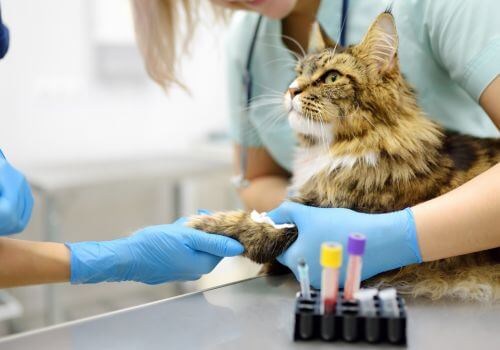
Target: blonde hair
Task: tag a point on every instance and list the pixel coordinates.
(158, 28)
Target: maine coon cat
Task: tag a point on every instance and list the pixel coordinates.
(364, 144)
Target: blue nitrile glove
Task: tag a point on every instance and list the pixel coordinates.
(153, 255)
(16, 200)
(391, 239)
(4, 38)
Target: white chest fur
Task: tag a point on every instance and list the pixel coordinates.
(311, 161)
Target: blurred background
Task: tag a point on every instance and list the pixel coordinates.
(105, 149)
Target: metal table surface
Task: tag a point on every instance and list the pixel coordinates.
(253, 314)
(52, 180)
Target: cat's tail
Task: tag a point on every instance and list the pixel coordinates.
(263, 242)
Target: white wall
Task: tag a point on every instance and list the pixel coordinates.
(52, 107)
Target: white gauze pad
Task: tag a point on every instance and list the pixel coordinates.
(262, 218)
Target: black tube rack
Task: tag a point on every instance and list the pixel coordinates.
(346, 323)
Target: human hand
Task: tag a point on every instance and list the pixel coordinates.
(391, 239)
(16, 200)
(153, 255)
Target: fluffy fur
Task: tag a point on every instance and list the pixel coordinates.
(366, 145)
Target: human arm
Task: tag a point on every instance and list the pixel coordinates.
(490, 101)
(448, 225)
(27, 262)
(268, 180)
(153, 255)
(462, 221)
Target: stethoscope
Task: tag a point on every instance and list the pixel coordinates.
(240, 181)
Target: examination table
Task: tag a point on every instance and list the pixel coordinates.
(253, 314)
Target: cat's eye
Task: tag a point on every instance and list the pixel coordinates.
(331, 77)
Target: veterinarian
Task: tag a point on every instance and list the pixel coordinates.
(449, 50)
(153, 255)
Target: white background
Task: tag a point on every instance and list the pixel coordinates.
(53, 106)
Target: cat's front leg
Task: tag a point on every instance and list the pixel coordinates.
(262, 241)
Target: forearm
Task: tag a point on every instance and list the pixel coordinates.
(264, 193)
(268, 180)
(490, 102)
(462, 221)
(26, 262)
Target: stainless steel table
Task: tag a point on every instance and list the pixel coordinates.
(252, 314)
(52, 181)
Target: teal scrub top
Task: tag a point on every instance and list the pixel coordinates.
(449, 50)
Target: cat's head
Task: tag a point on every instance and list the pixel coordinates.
(345, 92)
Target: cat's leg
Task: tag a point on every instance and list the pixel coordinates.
(274, 268)
(262, 241)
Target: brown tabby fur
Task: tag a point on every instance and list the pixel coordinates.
(371, 109)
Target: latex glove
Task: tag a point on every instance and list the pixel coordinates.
(4, 38)
(153, 255)
(16, 200)
(391, 239)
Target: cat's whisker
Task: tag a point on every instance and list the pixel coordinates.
(324, 138)
(289, 64)
(268, 88)
(262, 101)
(294, 54)
(338, 36)
(265, 104)
(268, 122)
(274, 95)
(325, 141)
(291, 39)
(267, 98)
(272, 119)
(322, 135)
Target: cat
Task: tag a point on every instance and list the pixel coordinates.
(364, 144)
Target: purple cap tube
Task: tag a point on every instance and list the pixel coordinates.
(356, 244)
(355, 249)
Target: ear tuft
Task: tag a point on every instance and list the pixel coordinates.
(381, 42)
(319, 40)
(316, 42)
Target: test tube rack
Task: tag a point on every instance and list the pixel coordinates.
(347, 323)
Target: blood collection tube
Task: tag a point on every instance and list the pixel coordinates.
(368, 310)
(355, 249)
(366, 298)
(305, 289)
(389, 301)
(331, 260)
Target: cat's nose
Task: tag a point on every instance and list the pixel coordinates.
(294, 91)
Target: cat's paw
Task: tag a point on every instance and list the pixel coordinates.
(262, 241)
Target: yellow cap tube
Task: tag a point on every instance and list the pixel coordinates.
(331, 255)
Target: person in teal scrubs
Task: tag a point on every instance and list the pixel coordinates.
(449, 51)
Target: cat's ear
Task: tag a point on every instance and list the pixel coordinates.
(381, 42)
(319, 40)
